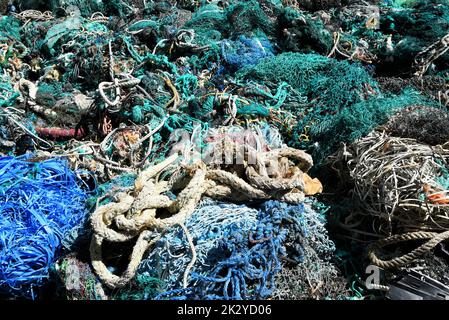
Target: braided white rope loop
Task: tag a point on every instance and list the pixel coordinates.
(117, 85)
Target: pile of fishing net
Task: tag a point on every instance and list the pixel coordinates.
(43, 213)
(340, 101)
(215, 115)
(246, 247)
(394, 36)
(400, 180)
(237, 252)
(190, 71)
(222, 250)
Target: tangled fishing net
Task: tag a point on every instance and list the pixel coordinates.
(316, 276)
(248, 247)
(42, 212)
(342, 102)
(427, 125)
(76, 280)
(166, 194)
(218, 115)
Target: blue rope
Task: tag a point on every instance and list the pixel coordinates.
(41, 205)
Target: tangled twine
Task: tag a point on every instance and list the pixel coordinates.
(404, 183)
(360, 53)
(241, 261)
(211, 224)
(397, 179)
(428, 125)
(136, 215)
(316, 276)
(117, 84)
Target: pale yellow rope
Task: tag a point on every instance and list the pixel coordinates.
(135, 214)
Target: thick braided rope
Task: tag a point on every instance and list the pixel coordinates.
(103, 217)
(435, 239)
(109, 279)
(186, 202)
(236, 183)
(266, 183)
(305, 160)
(135, 215)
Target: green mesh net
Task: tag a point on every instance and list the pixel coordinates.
(329, 84)
(209, 22)
(326, 133)
(9, 27)
(413, 25)
(343, 101)
(212, 23)
(249, 17)
(142, 287)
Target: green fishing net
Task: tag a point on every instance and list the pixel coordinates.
(343, 101)
(326, 133)
(329, 84)
(303, 33)
(249, 17)
(212, 22)
(9, 27)
(209, 22)
(413, 25)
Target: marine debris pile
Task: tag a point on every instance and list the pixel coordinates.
(271, 149)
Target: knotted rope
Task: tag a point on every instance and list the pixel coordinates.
(136, 214)
(425, 58)
(401, 181)
(434, 239)
(34, 15)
